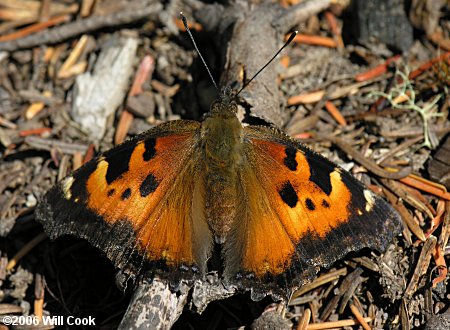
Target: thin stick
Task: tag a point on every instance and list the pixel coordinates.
(25, 249)
(335, 324)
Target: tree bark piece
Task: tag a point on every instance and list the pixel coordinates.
(439, 166)
(256, 35)
(97, 95)
(133, 13)
(384, 20)
(154, 306)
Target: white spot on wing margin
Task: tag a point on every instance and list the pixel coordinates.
(370, 199)
(66, 185)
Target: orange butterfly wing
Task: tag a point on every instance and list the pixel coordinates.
(141, 202)
(299, 211)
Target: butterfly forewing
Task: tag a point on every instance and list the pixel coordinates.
(138, 202)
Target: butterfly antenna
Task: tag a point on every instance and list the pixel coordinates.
(184, 20)
(291, 37)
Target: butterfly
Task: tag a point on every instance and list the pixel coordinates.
(163, 200)
(168, 202)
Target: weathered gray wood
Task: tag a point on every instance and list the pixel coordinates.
(382, 20)
(98, 95)
(154, 306)
(257, 32)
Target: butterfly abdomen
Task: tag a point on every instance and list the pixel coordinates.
(222, 134)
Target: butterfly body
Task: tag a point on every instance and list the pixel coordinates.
(161, 201)
(222, 155)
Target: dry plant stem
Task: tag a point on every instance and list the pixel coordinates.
(336, 324)
(46, 144)
(438, 219)
(44, 10)
(369, 165)
(35, 131)
(422, 265)
(428, 65)
(73, 56)
(34, 96)
(33, 29)
(406, 216)
(404, 315)
(321, 280)
(353, 285)
(397, 188)
(418, 196)
(8, 124)
(10, 309)
(10, 25)
(315, 40)
(376, 71)
(439, 260)
(335, 29)
(77, 160)
(144, 73)
(147, 11)
(300, 13)
(316, 96)
(401, 147)
(335, 113)
(25, 249)
(359, 317)
(426, 185)
(305, 319)
(366, 263)
(437, 129)
(89, 154)
(345, 286)
(445, 229)
(39, 296)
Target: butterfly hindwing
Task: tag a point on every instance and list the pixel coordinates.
(140, 202)
(300, 211)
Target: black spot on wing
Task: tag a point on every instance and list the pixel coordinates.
(325, 203)
(150, 150)
(310, 204)
(288, 194)
(126, 194)
(111, 192)
(321, 169)
(149, 185)
(289, 160)
(118, 160)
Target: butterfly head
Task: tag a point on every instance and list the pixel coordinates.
(225, 106)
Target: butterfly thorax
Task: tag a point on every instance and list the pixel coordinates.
(222, 133)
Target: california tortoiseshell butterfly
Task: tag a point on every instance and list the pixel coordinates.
(165, 201)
